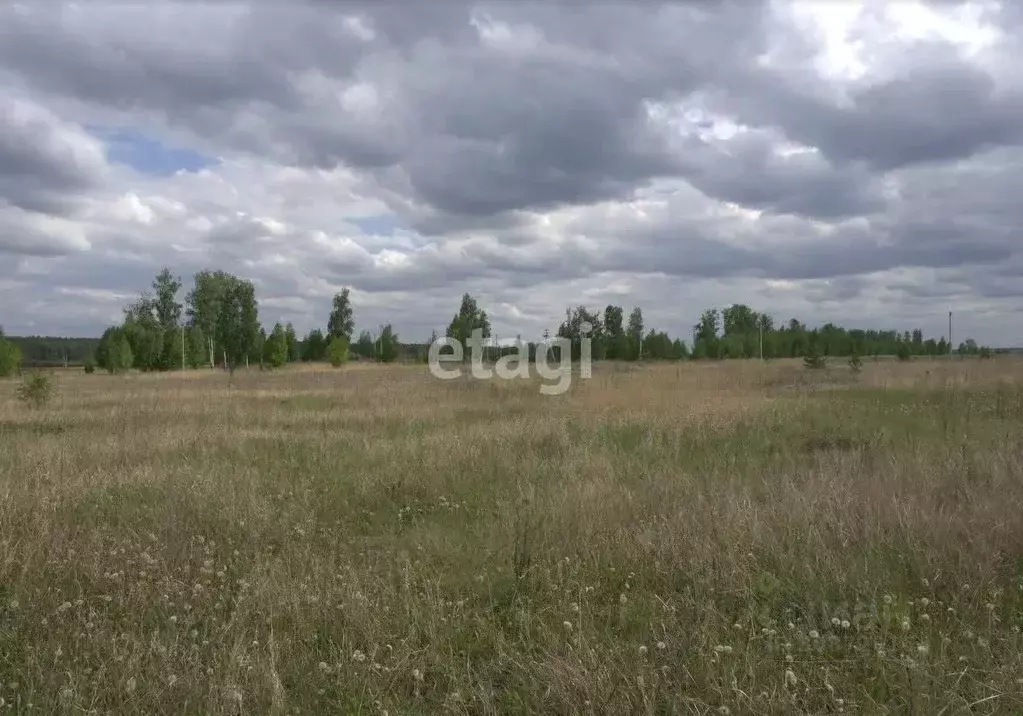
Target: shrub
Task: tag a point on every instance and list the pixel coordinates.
(813, 360)
(985, 352)
(903, 352)
(855, 363)
(90, 367)
(338, 351)
(36, 389)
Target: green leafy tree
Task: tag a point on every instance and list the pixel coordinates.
(10, 357)
(705, 335)
(366, 347)
(257, 353)
(739, 320)
(145, 337)
(387, 345)
(291, 339)
(114, 353)
(314, 348)
(144, 333)
(614, 333)
(276, 347)
(341, 323)
(572, 329)
(165, 302)
(237, 321)
(634, 332)
(196, 348)
(469, 318)
(204, 311)
(171, 354)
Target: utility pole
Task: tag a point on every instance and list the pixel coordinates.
(950, 336)
(182, 346)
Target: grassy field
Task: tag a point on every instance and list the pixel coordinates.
(691, 539)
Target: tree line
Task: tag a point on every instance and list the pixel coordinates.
(46, 351)
(738, 331)
(217, 325)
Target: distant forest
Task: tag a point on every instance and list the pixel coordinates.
(218, 324)
(45, 351)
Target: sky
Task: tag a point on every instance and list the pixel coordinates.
(858, 163)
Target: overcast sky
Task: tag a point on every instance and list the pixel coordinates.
(854, 162)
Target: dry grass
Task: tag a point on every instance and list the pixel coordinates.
(670, 539)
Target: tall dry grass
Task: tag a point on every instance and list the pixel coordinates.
(700, 538)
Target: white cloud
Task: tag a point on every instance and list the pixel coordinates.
(802, 157)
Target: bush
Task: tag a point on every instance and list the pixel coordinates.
(855, 363)
(338, 351)
(813, 360)
(36, 389)
(985, 352)
(903, 352)
(90, 367)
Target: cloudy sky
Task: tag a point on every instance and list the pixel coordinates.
(853, 162)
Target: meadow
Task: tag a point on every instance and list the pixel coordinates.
(692, 538)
